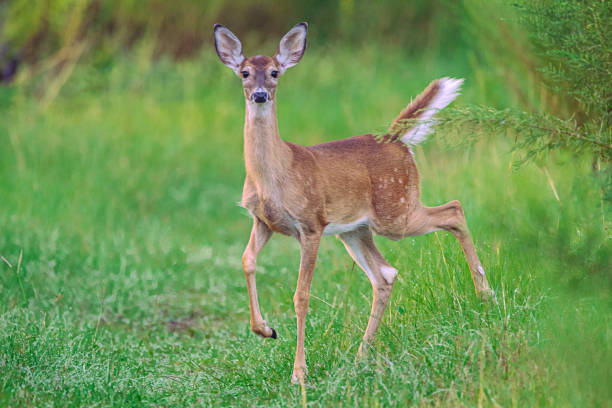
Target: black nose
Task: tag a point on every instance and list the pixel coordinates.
(260, 97)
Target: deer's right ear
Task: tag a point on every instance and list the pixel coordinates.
(229, 48)
(292, 47)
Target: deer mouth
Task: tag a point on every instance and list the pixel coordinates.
(260, 97)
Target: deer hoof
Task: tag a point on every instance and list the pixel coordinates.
(263, 330)
(364, 351)
(488, 295)
(299, 373)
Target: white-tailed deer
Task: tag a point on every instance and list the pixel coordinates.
(350, 187)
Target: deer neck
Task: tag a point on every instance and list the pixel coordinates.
(266, 155)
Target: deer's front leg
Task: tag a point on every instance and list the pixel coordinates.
(309, 248)
(260, 234)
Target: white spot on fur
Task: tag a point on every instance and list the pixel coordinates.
(402, 200)
(354, 246)
(257, 110)
(448, 91)
(389, 273)
(481, 270)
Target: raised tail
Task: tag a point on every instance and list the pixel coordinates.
(414, 123)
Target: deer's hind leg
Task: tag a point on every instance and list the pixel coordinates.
(360, 245)
(449, 217)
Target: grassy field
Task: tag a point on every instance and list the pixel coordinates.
(121, 281)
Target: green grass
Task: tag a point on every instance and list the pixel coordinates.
(125, 287)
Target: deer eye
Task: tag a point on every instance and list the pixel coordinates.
(274, 74)
(245, 74)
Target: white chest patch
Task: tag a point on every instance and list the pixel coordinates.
(333, 229)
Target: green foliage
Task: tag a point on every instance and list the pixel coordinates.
(536, 133)
(560, 72)
(39, 29)
(575, 38)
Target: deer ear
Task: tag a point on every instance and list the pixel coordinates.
(292, 47)
(229, 48)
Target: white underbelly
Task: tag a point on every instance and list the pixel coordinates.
(333, 229)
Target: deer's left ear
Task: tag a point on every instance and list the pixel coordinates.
(292, 47)
(229, 48)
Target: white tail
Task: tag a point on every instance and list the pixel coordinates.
(352, 187)
(449, 90)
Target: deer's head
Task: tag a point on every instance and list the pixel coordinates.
(260, 74)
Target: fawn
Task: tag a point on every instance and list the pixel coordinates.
(349, 188)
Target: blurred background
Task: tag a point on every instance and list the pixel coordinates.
(121, 163)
